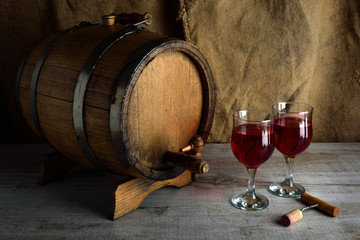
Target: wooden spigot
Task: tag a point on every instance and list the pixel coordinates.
(195, 146)
(127, 18)
(192, 161)
(194, 165)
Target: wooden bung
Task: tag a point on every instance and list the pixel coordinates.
(108, 20)
(323, 206)
(126, 18)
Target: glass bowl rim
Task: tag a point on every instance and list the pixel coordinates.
(311, 108)
(235, 116)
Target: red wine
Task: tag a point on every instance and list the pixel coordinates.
(292, 135)
(252, 144)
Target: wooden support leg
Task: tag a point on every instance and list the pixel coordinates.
(54, 167)
(129, 195)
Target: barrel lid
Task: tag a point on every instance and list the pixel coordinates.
(168, 99)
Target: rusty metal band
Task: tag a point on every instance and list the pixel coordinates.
(81, 87)
(17, 81)
(36, 73)
(125, 84)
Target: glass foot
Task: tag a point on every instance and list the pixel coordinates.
(248, 204)
(281, 189)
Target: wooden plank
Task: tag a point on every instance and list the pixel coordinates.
(33, 59)
(110, 69)
(73, 51)
(112, 63)
(115, 167)
(25, 107)
(66, 143)
(55, 112)
(26, 75)
(79, 204)
(57, 82)
(130, 194)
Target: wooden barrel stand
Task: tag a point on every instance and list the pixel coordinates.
(126, 195)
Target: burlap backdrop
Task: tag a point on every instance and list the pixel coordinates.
(260, 52)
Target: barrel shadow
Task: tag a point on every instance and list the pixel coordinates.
(85, 190)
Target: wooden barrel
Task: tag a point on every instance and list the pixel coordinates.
(117, 98)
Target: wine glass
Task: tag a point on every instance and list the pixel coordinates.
(252, 144)
(293, 133)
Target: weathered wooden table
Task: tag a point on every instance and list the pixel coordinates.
(76, 207)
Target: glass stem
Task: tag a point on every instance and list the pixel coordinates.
(250, 192)
(289, 176)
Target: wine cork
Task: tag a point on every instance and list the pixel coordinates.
(291, 217)
(323, 206)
